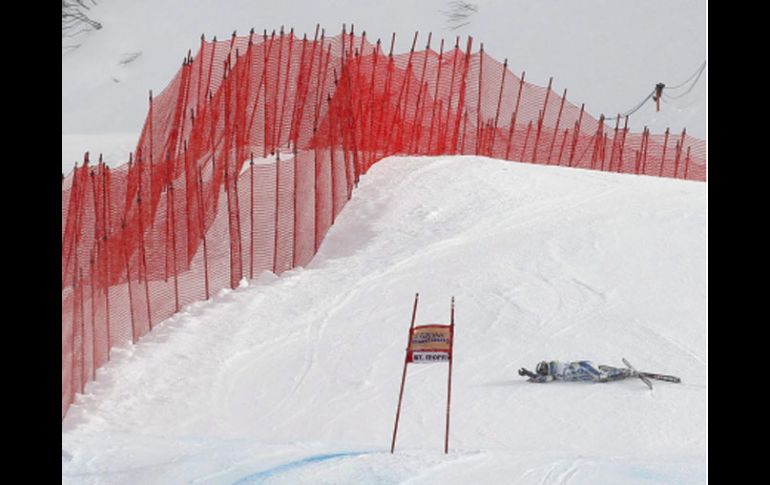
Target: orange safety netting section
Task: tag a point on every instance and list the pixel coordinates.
(250, 153)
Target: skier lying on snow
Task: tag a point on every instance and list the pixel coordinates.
(574, 371)
(585, 371)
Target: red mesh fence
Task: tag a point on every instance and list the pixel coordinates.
(248, 155)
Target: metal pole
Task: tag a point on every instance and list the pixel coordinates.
(449, 379)
(403, 376)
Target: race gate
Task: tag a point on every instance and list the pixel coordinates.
(428, 344)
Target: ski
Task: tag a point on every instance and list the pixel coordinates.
(638, 374)
(661, 377)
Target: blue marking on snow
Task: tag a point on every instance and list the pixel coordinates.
(260, 477)
(647, 474)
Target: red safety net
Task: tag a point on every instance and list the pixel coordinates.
(250, 153)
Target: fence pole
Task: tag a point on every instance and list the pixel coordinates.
(128, 282)
(526, 139)
(294, 214)
(266, 112)
(277, 210)
(515, 114)
(200, 75)
(645, 144)
(497, 111)
(576, 135)
(93, 317)
(261, 87)
(239, 234)
(143, 267)
(202, 223)
(173, 247)
(603, 152)
(332, 116)
(596, 141)
(415, 139)
(678, 153)
(561, 149)
(556, 128)
(73, 353)
(386, 100)
(403, 99)
(435, 98)
(442, 135)
(94, 261)
(285, 84)
(274, 120)
(371, 143)
(614, 141)
(149, 122)
(663, 156)
(623, 145)
(251, 217)
(461, 97)
(541, 120)
(478, 100)
(687, 163)
(316, 196)
(82, 337)
(301, 89)
(680, 146)
(108, 270)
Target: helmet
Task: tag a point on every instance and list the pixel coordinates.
(543, 368)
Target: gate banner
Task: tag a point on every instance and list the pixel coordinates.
(430, 343)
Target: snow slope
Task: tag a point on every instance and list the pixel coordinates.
(295, 379)
(608, 54)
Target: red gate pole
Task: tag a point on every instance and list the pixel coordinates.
(449, 381)
(403, 376)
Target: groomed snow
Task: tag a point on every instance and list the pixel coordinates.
(295, 379)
